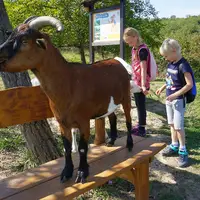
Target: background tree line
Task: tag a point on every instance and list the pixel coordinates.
(139, 14)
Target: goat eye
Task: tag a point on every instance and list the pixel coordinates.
(24, 42)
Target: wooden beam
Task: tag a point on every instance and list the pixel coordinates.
(128, 175)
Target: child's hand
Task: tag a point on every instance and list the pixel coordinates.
(144, 90)
(171, 97)
(158, 91)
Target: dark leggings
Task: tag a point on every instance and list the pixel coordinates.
(140, 101)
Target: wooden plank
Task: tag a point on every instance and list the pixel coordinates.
(53, 168)
(23, 104)
(101, 170)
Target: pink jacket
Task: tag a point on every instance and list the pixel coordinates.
(137, 68)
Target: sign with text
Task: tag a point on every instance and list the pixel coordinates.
(106, 28)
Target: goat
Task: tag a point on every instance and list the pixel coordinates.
(76, 92)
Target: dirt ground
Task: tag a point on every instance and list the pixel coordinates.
(167, 180)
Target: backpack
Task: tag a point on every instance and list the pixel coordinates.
(152, 69)
(191, 94)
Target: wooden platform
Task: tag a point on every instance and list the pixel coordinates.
(106, 163)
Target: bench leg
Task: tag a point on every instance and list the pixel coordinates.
(141, 181)
(99, 131)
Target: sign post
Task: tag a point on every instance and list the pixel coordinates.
(91, 48)
(106, 27)
(122, 26)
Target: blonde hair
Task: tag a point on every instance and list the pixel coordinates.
(169, 45)
(131, 32)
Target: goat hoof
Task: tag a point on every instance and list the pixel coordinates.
(66, 174)
(129, 146)
(129, 143)
(110, 142)
(81, 176)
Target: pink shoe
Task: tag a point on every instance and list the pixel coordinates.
(139, 131)
(135, 129)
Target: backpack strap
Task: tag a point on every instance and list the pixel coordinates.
(181, 74)
(183, 82)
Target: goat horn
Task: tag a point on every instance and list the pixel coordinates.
(29, 19)
(39, 22)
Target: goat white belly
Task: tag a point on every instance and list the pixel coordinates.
(111, 108)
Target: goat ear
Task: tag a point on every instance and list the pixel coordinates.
(41, 43)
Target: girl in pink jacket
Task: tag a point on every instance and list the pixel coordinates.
(141, 77)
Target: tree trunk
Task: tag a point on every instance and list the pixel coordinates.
(38, 135)
(102, 52)
(82, 52)
(5, 24)
(40, 140)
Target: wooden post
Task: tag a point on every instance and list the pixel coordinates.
(141, 181)
(122, 25)
(91, 48)
(99, 131)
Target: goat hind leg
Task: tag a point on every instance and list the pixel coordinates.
(113, 129)
(127, 109)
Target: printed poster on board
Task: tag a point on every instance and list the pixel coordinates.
(106, 28)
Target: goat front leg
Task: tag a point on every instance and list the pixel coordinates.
(83, 170)
(69, 167)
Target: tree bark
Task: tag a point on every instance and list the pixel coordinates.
(38, 135)
(102, 52)
(40, 141)
(82, 52)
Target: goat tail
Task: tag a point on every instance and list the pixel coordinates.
(126, 65)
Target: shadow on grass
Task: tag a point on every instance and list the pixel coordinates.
(181, 187)
(155, 106)
(192, 142)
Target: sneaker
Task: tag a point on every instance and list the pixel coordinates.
(135, 129)
(170, 150)
(183, 158)
(139, 131)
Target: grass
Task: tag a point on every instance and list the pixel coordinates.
(72, 55)
(186, 185)
(10, 139)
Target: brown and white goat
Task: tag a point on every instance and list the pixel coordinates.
(77, 92)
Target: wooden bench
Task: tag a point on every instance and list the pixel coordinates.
(105, 163)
